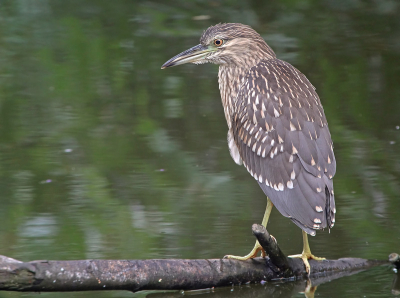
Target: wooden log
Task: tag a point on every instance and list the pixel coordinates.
(270, 245)
(137, 275)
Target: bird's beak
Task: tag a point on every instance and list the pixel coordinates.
(191, 55)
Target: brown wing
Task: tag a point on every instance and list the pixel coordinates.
(281, 132)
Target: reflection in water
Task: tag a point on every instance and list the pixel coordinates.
(102, 155)
(42, 226)
(305, 288)
(274, 290)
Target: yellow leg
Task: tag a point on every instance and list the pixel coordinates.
(257, 246)
(306, 254)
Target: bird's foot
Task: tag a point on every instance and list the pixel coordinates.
(251, 255)
(305, 256)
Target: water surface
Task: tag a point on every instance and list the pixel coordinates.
(104, 155)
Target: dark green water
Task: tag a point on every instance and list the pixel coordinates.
(104, 155)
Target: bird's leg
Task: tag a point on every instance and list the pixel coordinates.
(257, 246)
(306, 254)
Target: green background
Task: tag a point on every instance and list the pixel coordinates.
(105, 155)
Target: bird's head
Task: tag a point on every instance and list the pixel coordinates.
(230, 43)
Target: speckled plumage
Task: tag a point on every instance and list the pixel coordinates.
(277, 127)
(282, 136)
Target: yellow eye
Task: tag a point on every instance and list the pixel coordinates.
(218, 42)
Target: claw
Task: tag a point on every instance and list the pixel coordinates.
(306, 254)
(257, 246)
(251, 255)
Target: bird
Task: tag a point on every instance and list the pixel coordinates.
(277, 128)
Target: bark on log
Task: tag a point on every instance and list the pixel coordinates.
(137, 275)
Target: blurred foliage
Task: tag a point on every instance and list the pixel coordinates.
(103, 155)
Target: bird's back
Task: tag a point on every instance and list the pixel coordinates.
(281, 134)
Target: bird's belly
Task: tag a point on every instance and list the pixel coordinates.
(233, 149)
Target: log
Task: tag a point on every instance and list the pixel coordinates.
(137, 275)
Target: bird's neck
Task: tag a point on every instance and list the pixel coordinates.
(232, 74)
(230, 79)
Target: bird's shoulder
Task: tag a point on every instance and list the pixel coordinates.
(277, 112)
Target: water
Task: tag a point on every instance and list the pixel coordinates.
(104, 155)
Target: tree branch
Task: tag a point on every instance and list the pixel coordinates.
(137, 275)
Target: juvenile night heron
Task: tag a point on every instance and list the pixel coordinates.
(277, 127)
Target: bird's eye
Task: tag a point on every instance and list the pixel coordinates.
(218, 42)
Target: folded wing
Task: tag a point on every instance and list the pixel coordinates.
(282, 136)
